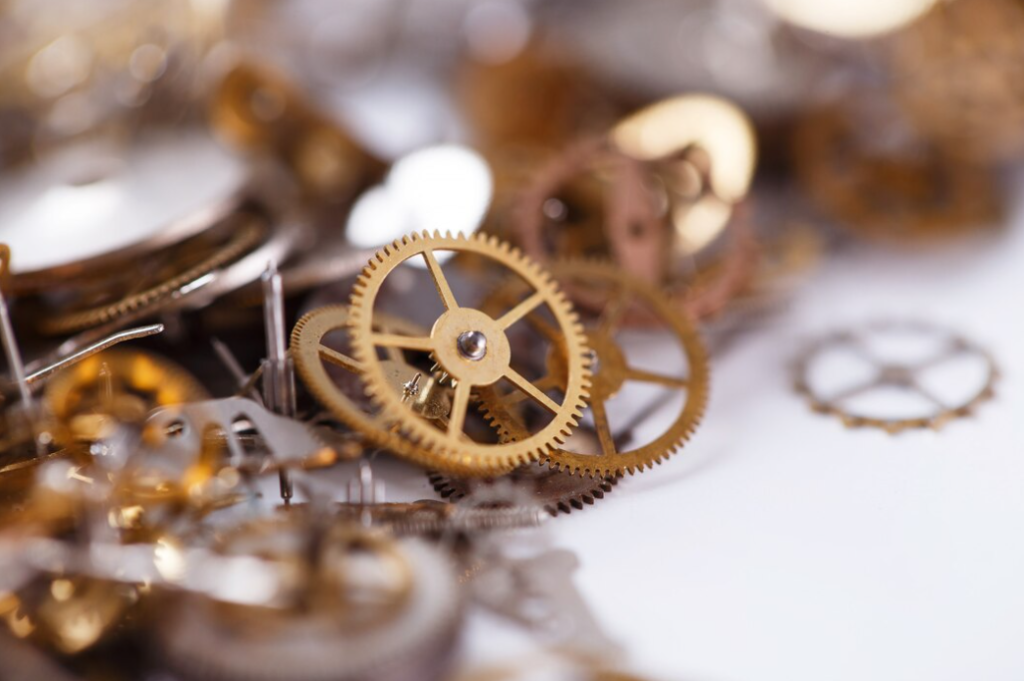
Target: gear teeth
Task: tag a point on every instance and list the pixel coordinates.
(431, 447)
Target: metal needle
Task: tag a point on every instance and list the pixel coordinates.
(107, 342)
(277, 383)
(13, 353)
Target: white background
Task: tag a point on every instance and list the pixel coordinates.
(778, 545)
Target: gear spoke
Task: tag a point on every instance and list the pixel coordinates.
(855, 390)
(392, 340)
(545, 329)
(643, 376)
(440, 282)
(460, 404)
(512, 399)
(856, 345)
(613, 312)
(521, 310)
(928, 395)
(953, 350)
(603, 427)
(338, 359)
(531, 390)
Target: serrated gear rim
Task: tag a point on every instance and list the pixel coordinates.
(689, 419)
(483, 459)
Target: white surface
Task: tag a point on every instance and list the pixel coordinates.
(778, 545)
(89, 199)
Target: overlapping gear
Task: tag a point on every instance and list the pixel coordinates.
(228, 511)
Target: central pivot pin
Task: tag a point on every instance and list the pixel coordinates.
(472, 345)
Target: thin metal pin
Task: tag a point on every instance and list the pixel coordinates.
(42, 373)
(276, 379)
(245, 383)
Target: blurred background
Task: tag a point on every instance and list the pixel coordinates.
(889, 118)
(146, 143)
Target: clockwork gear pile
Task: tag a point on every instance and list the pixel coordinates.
(396, 286)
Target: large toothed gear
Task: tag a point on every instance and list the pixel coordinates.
(613, 368)
(472, 352)
(556, 491)
(312, 353)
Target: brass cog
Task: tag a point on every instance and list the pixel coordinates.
(310, 353)
(89, 399)
(556, 491)
(472, 349)
(613, 370)
(168, 273)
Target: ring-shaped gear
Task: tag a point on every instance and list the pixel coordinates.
(116, 386)
(901, 375)
(311, 354)
(613, 370)
(556, 491)
(451, 449)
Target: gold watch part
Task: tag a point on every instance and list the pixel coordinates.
(907, 193)
(472, 351)
(259, 111)
(667, 202)
(615, 453)
(321, 349)
(170, 275)
(557, 492)
(956, 74)
(345, 602)
(90, 399)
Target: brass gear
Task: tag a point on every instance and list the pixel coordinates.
(472, 349)
(556, 491)
(184, 266)
(309, 353)
(613, 371)
(918, 192)
(594, 200)
(115, 386)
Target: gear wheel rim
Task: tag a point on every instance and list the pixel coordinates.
(454, 453)
(689, 418)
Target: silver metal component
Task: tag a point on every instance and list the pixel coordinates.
(40, 375)
(473, 345)
(411, 388)
(539, 592)
(275, 380)
(14, 361)
(244, 381)
(278, 383)
(285, 439)
(313, 640)
(11, 349)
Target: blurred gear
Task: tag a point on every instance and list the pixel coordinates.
(959, 73)
(612, 369)
(662, 195)
(259, 110)
(342, 604)
(899, 364)
(556, 491)
(472, 350)
(896, 189)
(342, 392)
(115, 387)
(174, 273)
